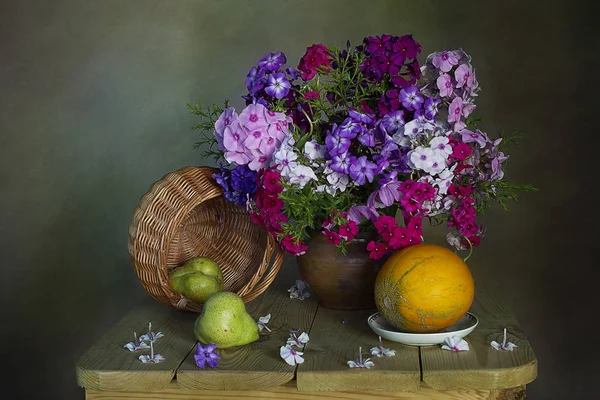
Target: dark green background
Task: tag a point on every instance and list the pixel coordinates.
(92, 111)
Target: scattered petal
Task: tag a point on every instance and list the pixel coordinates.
(455, 343)
(151, 336)
(345, 321)
(291, 356)
(263, 321)
(298, 341)
(508, 346)
(136, 344)
(381, 351)
(360, 363)
(152, 358)
(299, 290)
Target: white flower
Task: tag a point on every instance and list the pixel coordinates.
(314, 151)
(337, 181)
(291, 356)
(298, 341)
(151, 336)
(284, 158)
(455, 240)
(380, 351)
(298, 290)
(444, 180)
(136, 344)
(152, 358)
(441, 143)
(455, 343)
(263, 321)
(360, 363)
(424, 158)
(301, 175)
(504, 345)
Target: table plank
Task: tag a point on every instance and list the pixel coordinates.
(483, 367)
(290, 392)
(107, 365)
(333, 343)
(258, 365)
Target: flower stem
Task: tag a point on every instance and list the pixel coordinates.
(470, 249)
(360, 356)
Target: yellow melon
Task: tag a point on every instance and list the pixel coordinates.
(424, 288)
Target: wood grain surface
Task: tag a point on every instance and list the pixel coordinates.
(257, 366)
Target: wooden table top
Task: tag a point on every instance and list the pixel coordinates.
(108, 370)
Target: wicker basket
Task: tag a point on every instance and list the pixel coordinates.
(185, 215)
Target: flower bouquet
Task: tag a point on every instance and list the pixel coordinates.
(359, 138)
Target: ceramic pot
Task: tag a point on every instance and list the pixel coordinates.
(341, 282)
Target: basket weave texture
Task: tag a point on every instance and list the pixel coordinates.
(185, 215)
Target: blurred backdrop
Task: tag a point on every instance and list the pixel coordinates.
(92, 112)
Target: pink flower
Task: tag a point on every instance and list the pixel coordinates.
(332, 237)
(445, 60)
(461, 151)
(444, 83)
(272, 182)
(316, 56)
(272, 203)
(349, 230)
(465, 76)
(296, 249)
(384, 224)
(233, 137)
(377, 250)
(454, 111)
(238, 157)
(253, 117)
(312, 95)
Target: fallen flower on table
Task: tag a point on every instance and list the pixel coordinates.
(299, 290)
(291, 356)
(360, 363)
(136, 344)
(206, 355)
(151, 336)
(380, 351)
(504, 345)
(298, 341)
(152, 358)
(263, 321)
(455, 343)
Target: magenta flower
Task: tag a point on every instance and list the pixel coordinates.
(206, 356)
(362, 170)
(461, 151)
(407, 47)
(272, 61)
(445, 60)
(411, 98)
(332, 237)
(277, 85)
(444, 84)
(316, 57)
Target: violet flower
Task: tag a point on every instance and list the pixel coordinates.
(381, 351)
(206, 356)
(393, 121)
(362, 170)
(468, 136)
(255, 80)
(151, 336)
(272, 61)
(136, 344)
(411, 98)
(444, 84)
(360, 363)
(508, 346)
(431, 107)
(277, 85)
(152, 358)
(341, 163)
(455, 343)
(445, 60)
(336, 144)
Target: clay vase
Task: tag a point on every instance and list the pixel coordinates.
(341, 282)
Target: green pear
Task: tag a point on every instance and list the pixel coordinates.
(225, 322)
(197, 279)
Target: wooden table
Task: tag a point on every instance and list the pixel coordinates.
(109, 371)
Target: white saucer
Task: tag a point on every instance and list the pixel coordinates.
(461, 329)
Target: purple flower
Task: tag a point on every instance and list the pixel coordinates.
(445, 60)
(292, 72)
(341, 162)
(234, 137)
(387, 194)
(277, 85)
(336, 144)
(407, 46)
(393, 121)
(431, 107)
(411, 98)
(362, 170)
(367, 138)
(391, 63)
(254, 80)
(355, 213)
(272, 61)
(206, 356)
(361, 117)
(243, 179)
(348, 129)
